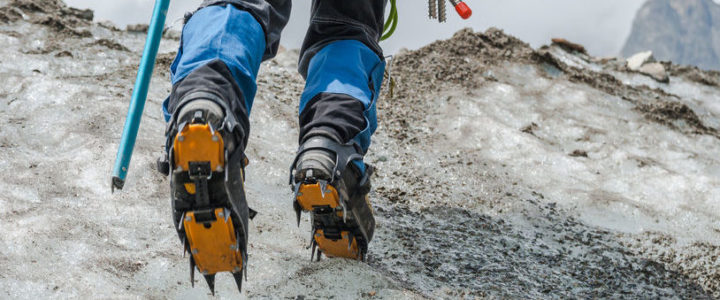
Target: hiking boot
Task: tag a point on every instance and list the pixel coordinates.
(206, 166)
(333, 189)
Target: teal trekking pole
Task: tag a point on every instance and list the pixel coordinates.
(139, 96)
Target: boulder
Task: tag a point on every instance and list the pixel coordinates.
(655, 70)
(636, 61)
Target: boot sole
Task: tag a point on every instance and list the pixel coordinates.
(212, 238)
(334, 233)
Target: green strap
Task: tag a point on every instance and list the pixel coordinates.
(391, 23)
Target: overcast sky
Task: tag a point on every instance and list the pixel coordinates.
(601, 25)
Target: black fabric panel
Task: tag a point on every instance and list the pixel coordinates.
(272, 15)
(360, 20)
(337, 116)
(214, 77)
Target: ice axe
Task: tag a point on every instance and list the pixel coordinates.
(139, 96)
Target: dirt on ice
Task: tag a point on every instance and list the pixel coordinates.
(503, 172)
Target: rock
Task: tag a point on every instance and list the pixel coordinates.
(605, 59)
(692, 73)
(579, 153)
(656, 71)
(85, 14)
(110, 44)
(64, 53)
(109, 25)
(530, 129)
(644, 63)
(636, 61)
(569, 46)
(143, 28)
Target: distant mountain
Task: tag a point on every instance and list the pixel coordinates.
(683, 31)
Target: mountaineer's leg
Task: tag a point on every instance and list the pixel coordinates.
(343, 66)
(222, 46)
(213, 79)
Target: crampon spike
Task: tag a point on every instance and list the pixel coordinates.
(210, 279)
(238, 280)
(180, 224)
(252, 213)
(323, 188)
(351, 238)
(296, 190)
(244, 270)
(298, 211)
(226, 214)
(184, 240)
(312, 239)
(192, 271)
(312, 252)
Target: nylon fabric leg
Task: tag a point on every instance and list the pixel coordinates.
(342, 72)
(223, 33)
(331, 21)
(337, 116)
(272, 15)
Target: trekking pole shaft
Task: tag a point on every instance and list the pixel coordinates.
(139, 96)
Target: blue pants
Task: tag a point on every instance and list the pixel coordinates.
(224, 42)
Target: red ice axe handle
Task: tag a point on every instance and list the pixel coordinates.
(462, 9)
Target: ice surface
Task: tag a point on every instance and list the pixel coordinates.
(518, 183)
(637, 176)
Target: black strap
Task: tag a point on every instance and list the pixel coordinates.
(344, 154)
